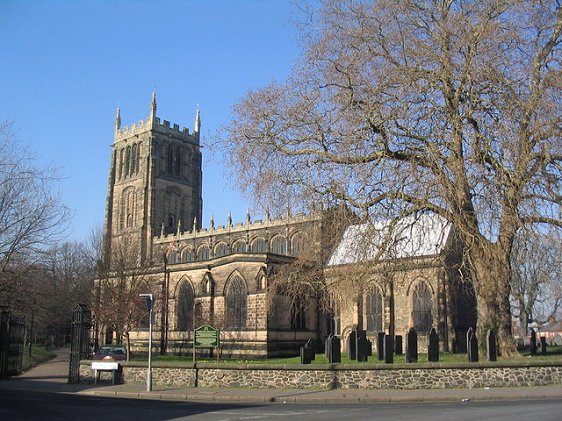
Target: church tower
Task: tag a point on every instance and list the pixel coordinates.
(154, 184)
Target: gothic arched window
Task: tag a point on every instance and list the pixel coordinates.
(373, 306)
(239, 247)
(134, 161)
(298, 315)
(297, 244)
(137, 166)
(279, 245)
(259, 246)
(127, 161)
(203, 252)
(128, 208)
(236, 303)
(421, 308)
(120, 164)
(187, 255)
(221, 249)
(185, 300)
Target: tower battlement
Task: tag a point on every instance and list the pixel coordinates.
(143, 126)
(154, 123)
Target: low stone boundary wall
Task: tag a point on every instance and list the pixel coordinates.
(348, 376)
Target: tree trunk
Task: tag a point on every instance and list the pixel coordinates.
(491, 275)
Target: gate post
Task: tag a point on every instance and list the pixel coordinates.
(79, 341)
(4, 341)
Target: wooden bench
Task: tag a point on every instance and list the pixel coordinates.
(99, 366)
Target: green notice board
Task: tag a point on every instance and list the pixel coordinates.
(207, 337)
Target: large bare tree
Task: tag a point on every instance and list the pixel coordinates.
(401, 107)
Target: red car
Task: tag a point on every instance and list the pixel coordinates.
(111, 353)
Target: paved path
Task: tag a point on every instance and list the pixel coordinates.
(52, 377)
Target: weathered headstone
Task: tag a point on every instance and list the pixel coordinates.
(491, 346)
(543, 345)
(380, 345)
(352, 345)
(533, 342)
(334, 356)
(327, 344)
(472, 346)
(432, 346)
(362, 345)
(412, 346)
(398, 345)
(307, 353)
(388, 349)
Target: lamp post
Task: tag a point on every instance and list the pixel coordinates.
(149, 305)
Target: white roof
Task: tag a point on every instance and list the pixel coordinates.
(413, 236)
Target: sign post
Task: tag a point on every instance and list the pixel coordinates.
(149, 305)
(205, 337)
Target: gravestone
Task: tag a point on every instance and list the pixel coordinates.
(362, 345)
(472, 346)
(533, 342)
(333, 343)
(352, 345)
(388, 349)
(432, 346)
(412, 346)
(327, 345)
(398, 345)
(380, 345)
(543, 345)
(369, 348)
(491, 346)
(307, 353)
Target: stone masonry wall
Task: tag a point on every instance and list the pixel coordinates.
(435, 376)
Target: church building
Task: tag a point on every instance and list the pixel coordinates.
(222, 275)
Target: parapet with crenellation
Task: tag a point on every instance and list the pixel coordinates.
(163, 126)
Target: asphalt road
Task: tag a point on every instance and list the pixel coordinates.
(29, 405)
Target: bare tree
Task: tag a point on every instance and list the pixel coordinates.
(117, 305)
(31, 217)
(536, 279)
(398, 108)
(66, 280)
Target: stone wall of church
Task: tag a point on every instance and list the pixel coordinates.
(399, 287)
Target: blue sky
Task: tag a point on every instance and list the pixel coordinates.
(67, 65)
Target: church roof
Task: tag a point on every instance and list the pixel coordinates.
(412, 236)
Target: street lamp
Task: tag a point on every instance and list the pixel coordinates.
(149, 305)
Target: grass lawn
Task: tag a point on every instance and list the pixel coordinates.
(553, 354)
(38, 356)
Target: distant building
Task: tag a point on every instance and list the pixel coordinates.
(220, 275)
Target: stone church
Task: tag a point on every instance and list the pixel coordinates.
(221, 275)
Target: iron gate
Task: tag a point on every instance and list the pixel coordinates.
(79, 341)
(12, 334)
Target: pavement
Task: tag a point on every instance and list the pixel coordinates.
(52, 377)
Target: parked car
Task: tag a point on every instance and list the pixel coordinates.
(111, 353)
